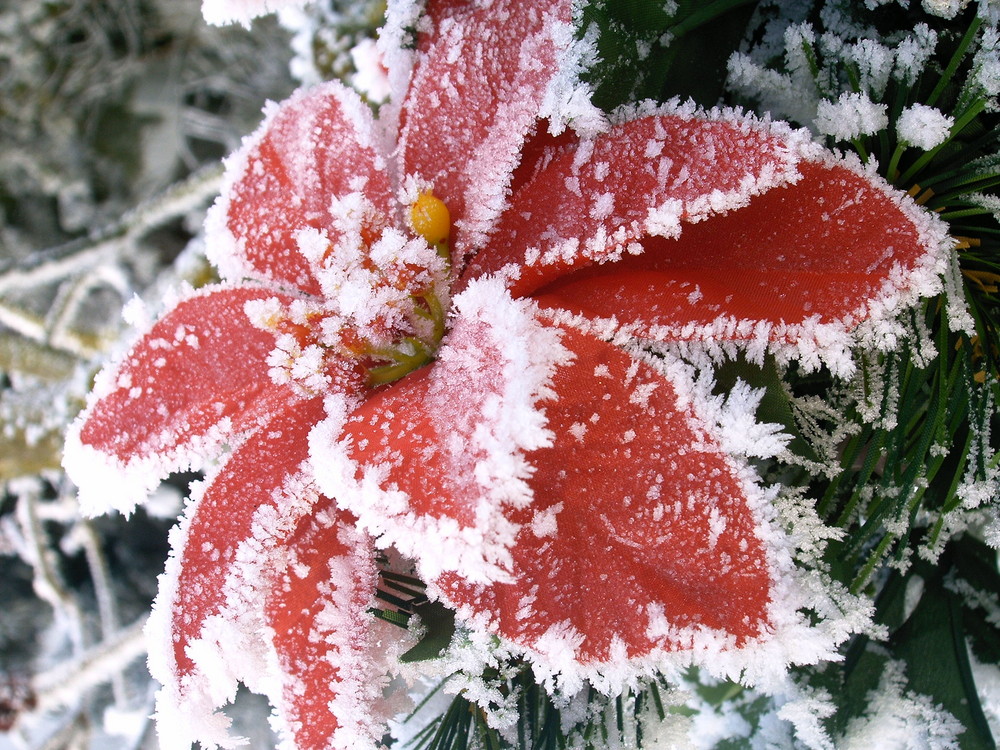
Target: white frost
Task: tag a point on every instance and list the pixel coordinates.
(851, 116)
(924, 127)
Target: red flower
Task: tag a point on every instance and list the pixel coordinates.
(494, 396)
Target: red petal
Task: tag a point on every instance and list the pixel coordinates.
(207, 631)
(607, 187)
(332, 661)
(823, 249)
(640, 536)
(228, 517)
(201, 366)
(475, 93)
(434, 462)
(318, 145)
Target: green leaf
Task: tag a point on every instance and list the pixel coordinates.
(440, 624)
(932, 644)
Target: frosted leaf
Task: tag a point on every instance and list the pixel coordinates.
(684, 519)
(663, 166)
(924, 127)
(319, 145)
(873, 248)
(851, 116)
(334, 654)
(462, 135)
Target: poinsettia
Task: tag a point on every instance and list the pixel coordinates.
(445, 332)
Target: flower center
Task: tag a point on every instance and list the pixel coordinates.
(384, 305)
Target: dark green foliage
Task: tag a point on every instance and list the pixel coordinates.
(648, 53)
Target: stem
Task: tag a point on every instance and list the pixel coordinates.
(956, 60)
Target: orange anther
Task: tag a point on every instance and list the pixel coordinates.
(430, 218)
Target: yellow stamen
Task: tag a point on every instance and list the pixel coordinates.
(430, 218)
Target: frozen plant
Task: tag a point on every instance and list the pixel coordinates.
(432, 353)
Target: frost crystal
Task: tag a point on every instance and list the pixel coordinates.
(924, 127)
(851, 116)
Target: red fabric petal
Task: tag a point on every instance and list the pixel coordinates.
(824, 247)
(253, 479)
(202, 363)
(639, 531)
(445, 446)
(475, 93)
(318, 145)
(332, 675)
(588, 200)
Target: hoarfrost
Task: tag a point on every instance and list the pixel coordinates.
(913, 53)
(492, 374)
(984, 80)
(874, 63)
(851, 116)
(924, 127)
(899, 718)
(944, 8)
(372, 78)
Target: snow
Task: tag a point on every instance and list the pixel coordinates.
(924, 127)
(851, 116)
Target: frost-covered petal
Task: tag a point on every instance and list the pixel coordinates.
(798, 271)
(197, 378)
(331, 650)
(434, 463)
(207, 631)
(590, 201)
(317, 146)
(643, 537)
(482, 72)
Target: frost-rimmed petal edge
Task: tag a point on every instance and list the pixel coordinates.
(791, 637)
(319, 144)
(440, 491)
(146, 387)
(464, 138)
(207, 630)
(654, 150)
(812, 341)
(335, 655)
